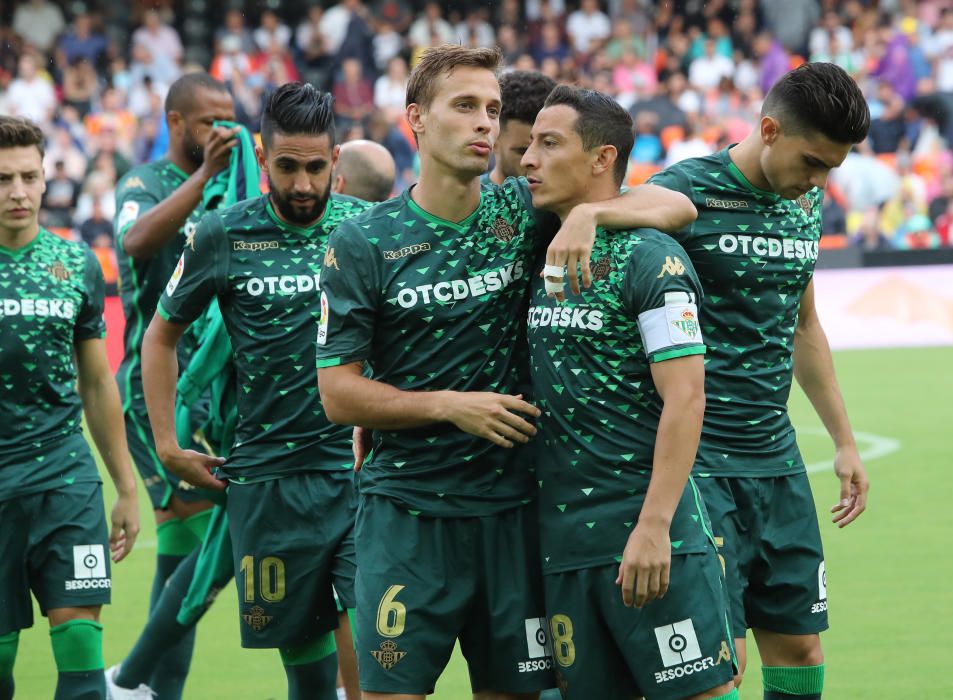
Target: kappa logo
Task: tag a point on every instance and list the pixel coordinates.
(601, 268)
(404, 252)
(189, 230)
(134, 183)
(59, 271)
(254, 246)
(672, 266)
(725, 203)
(330, 260)
(257, 619)
(503, 230)
(389, 655)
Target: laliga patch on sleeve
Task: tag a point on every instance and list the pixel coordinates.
(128, 214)
(176, 276)
(323, 323)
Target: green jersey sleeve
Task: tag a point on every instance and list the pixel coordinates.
(89, 320)
(660, 289)
(200, 274)
(350, 296)
(133, 199)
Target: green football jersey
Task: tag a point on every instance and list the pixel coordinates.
(51, 297)
(755, 254)
(142, 281)
(591, 362)
(436, 305)
(266, 276)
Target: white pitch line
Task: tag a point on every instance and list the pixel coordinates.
(871, 447)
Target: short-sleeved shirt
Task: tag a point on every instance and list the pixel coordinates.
(265, 274)
(436, 305)
(755, 254)
(141, 280)
(591, 360)
(51, 298)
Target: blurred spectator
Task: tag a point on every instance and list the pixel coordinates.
(334, 24)
(97, 230)
(160, 39)
(60, 198)
(234, 30)
(113, 116)
(396, 13)
(380, 129)
(388, 44)
(38, 22)
(868, 235)
(31, 95)
(99, 190)
(774, 60)
(551, 44)
(830, 29)
(647, 147)
(475, 31)
(588, 27)
(689, 145)
(390, 90)
(63, 149)
(271, 32)
(633, 79)
(229, 59)
(624, 40)
(791, 21)
(941, 203)
(430, 25)
(353, 94)
(308, 37)
(888, 131)
(80, 86)
(834, 211)
(669, 106)
(82, 42)
(894, 65)
(943, 225)
(537, 8)
(707, 70)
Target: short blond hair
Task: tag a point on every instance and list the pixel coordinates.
(440, 60)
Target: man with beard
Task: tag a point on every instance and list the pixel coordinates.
(157, 207)
(261, 260)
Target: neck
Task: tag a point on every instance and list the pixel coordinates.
(445, 194)
(14, 240)
(177, 157)
(747, 158)
(496, 175)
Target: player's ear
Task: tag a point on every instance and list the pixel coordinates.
(337, 184)
(335, 154)
(414, 118)
(770, 130)
(174, 120)
(260, 157)
(605, 157)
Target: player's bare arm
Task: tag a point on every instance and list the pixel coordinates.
(159, 376)
(156, 227)
(349, 398)
(644, 571)
(103, 410)
(814, 371)
(648, 206)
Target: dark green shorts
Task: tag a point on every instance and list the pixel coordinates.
(56, 544)
(423, 583)
(292, 538)
(673, 647)
(160, 484)
(770, 543)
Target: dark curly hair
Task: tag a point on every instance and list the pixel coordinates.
(523, 93)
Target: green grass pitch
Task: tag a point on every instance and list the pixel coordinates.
(888, 574)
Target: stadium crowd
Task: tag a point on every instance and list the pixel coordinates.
(692, 74)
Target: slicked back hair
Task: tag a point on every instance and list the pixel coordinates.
(16, 132)
(523, 94)
(298, 109)
(182, 93)
(600, 121)
(444, 59)
(819, 97)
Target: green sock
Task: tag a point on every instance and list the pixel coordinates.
(8, 656)
(312, 670)
(169, 663)
(786, 682)
(163, 639)
(78, 651)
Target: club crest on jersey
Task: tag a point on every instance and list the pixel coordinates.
(503, 230)
(388, 656)
(687, 324)
(672, 266)
(805, 204)
(601, 268)
(59, 271)
(330, 260)
(256, 618)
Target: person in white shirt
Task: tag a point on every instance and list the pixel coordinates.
(271, 32)
(429, 23)
(334, 24)
(706, 71)
(160, 39)
(39, 22)
(31, 95)
(390, 90)
(588, 27)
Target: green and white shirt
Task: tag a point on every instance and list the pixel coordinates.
(436, 305)
(265, 274)
(591, 373)
(51, 298)
(755, 254)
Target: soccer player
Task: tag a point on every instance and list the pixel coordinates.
(157, 206)
(365, 170)
(523, 93)
(430, 289)
(290, 507)
(53, 367)
(754, 246)
(618, 373)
